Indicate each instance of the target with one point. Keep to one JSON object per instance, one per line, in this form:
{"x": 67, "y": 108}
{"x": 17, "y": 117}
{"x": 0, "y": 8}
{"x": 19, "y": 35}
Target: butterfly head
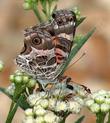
{"x": 64, "y": 21}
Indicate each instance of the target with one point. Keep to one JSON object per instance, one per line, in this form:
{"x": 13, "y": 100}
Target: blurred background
{"x": 93, "y": 70}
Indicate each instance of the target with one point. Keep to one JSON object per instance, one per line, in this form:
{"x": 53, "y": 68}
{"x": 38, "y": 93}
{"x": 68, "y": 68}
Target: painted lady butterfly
{"x": 47, "y": 46}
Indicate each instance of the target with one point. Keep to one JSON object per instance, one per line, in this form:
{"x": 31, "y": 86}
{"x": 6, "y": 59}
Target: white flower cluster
{"x": 99, "y": 101}
{"x": 52, "y": 106}
{"x": 39, "y": 115}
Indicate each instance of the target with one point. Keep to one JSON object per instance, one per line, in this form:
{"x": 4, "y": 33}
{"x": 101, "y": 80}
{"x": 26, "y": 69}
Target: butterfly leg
{"x": 64, "y": 79}
{"x": 71, "y": 84}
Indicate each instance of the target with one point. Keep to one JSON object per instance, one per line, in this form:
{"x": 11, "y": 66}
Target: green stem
{"x": 10, "y": 110}
{"x": 36, "y": 11}
{"x": 63, "y": 121}
{"x": 13, "y": 109}
{"x": 64, "y": 117}
{"x": 49, "y": 10}
{"x": 100, "y": 117}
{"x": 108, "y": 118}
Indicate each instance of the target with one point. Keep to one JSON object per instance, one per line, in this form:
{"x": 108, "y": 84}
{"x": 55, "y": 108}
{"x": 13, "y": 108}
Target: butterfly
{"x": 47, "y": 47}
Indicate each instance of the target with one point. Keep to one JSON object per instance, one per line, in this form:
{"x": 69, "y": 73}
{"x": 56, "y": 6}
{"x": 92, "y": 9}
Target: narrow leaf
{"x": 3, "y": 90}
{"x": 13, "y": 111}
{"x": 80, "y": 119}
{"x": 23, "y": 103}
{"x": 80, "y": 21}
{"x": 43, "y": 3}
{"x": 54, "y": 9}
{"x": 78, "y": 46}
{"x": 43, "y": 10}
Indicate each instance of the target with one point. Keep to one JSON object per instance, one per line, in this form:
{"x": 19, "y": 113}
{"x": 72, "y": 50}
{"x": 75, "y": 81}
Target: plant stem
{"x": 13, "y": 109}
{"x": 10, "y": 117}
{"x": 36, "y": 11}
{"x": 63, "y": 121}
{"x": 100, "y": 117}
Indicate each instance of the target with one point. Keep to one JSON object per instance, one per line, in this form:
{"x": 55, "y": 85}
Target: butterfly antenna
{"x": 76, "y": 60}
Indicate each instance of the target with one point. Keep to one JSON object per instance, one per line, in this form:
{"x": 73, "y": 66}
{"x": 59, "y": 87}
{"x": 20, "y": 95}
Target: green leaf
{"x": 37, "y": 13}
{"x": 77, "y": 47}
{"x": 80, "y": 119}
{"x": 54, "y": 9}
{"x": 23, "y": 103}
{"x": 14, "y": 109}
{"x": 44, "y": 11}
{"x": 43, "y": 2}
{"x": 3, "y": 90}
{"x": 80, "y": 21}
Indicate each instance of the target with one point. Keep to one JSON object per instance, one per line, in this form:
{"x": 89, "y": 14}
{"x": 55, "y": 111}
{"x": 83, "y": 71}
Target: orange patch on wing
{"x": 56, "y": 41}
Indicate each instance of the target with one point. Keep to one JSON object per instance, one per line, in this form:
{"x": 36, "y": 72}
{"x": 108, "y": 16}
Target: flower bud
{"x": 12, "y": 78}
{"x": 81, "y": 93}
{"x": 28, "y": 120}
{"x": 39, "y": 119}
{"x": 32, "y": 99}
{"x": 25, "y": 79}
{"x": 40, "y": 111}
{"x": 95, "y": 108}
{"x": 105, "y": 107}
{"x": 27, "y": 6}
{"x": 18, "y": 79}
{"x": 99, "y": 99}
{"x": 50, "y": 117}
{"x": 31, "y": 83}
{"x": 89, "y": 102}
{"x": 61, "y": 106}
{"x": 79, "y": 100}
{"x": 77, "y": 12}
{"x": 52, "y": 103}
{"x": 29, "y": 112}
{"x": 107, "y": 101}
{"x": 78, "y": 37}
{"x": 94, "y": 95}
{"x": 44, "y": 103}
{"x": 74, "y": 107}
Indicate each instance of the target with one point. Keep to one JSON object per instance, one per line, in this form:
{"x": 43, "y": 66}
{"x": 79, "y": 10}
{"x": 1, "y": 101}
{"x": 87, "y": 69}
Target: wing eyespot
{"x": 36, "y": 41}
